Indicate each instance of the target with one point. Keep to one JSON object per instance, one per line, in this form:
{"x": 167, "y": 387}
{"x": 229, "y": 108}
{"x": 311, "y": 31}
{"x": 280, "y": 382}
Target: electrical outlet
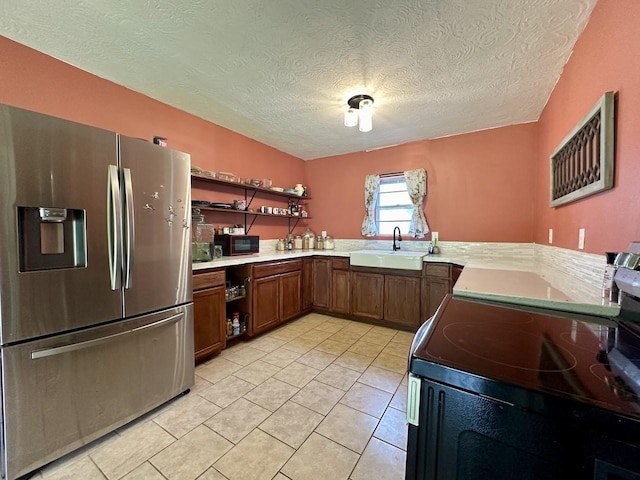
{"x": 551, "y": 235}
{"x": 434, "y": 236}
{"x": 581, "y": 239}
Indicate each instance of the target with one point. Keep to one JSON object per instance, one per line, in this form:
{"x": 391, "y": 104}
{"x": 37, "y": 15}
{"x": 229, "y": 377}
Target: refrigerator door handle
{"x": 72, "y": 347}
{"x": 130, "y": 225}
{"x": 114, "y": 226}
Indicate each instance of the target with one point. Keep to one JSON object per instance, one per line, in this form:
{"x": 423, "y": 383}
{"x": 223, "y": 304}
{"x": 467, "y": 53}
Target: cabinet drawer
{"x": 208, "y": 279}
{"x": 274, "y": 268}
{"x": 340, "y": 263}
{"x": 437, "y": 270}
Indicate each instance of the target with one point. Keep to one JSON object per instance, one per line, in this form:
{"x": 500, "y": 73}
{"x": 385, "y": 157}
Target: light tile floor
{"x": 319, "y": 398}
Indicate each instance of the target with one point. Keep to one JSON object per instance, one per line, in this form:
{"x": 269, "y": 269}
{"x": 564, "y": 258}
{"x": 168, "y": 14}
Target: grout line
{"x": 343, "y": 446}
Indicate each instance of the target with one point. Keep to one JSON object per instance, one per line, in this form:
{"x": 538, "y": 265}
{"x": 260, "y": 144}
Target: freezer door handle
{"x": 72, "y": 347}
{"x": 114, "y": 226}
{"x": 130, "y": 225}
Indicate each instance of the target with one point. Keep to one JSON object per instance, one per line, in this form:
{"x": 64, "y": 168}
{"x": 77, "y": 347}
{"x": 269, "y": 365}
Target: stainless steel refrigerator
{"x": 95, "y": 284}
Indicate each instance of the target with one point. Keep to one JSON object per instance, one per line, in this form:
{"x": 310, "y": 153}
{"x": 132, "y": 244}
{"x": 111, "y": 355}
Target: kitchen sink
{"x": 402, "y": 259}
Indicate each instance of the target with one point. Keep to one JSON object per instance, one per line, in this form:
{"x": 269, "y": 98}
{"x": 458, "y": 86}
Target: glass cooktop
{"x": 590, "y": 359}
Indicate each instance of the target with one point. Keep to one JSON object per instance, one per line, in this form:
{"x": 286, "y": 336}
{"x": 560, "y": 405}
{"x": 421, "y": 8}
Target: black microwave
{"x": 238, "y": 244}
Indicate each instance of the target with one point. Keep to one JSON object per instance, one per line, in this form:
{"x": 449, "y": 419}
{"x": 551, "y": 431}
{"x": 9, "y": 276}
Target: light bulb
{"x": 350, "y": 117}
{"x": 365, "y": 115}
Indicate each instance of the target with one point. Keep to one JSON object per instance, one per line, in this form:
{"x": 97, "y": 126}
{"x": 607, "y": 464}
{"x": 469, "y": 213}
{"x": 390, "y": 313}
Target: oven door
{"x": 467, "y": 436}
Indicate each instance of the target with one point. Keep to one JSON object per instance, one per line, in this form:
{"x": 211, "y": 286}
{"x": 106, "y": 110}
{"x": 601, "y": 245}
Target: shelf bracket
{"x": 248, "y": 202}
{"x": 294, "y": 225}
{"x": 248, "y": 227}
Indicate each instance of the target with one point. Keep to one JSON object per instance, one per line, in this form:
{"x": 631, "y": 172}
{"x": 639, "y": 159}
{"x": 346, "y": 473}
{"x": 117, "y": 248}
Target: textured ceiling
{"x": 280, "y": 71}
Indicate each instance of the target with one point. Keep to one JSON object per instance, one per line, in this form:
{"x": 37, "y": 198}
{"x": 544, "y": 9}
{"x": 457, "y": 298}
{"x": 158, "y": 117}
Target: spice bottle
{"x": 229, "y": 327}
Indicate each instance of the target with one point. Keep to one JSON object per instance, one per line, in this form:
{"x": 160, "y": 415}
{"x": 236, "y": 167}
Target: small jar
{"x": 319, "y": 243}
{"x": 311, "y": 236}
{"x": 280, "y": 245}
{"x": 297, "y": 243}
{"x": 329, "y": 244}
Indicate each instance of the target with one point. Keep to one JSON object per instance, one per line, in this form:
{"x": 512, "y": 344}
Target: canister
{"x": 202, "y": 235}
{"x": 329, "y": 244}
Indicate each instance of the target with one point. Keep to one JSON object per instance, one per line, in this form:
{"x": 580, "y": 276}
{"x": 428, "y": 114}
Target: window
{"x": 394, "y": 205}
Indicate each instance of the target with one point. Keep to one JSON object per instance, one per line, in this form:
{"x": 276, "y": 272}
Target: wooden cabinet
{"x": 402, "y": 300}
{"x": 435, "y": 285}
{"x": 322, "y": 283}
{"x": 266, "y": 299}
{"x": 276, "y": 294}
{"x": 307, "y": 284}
{"x": 289, "y": 295}
{"x": 437, "y": 289}
{"x": 340, "y": 291}
{"x": 209, "y": 324}
{"x": 367, "y": 294}
{"x": 456, "y": 270}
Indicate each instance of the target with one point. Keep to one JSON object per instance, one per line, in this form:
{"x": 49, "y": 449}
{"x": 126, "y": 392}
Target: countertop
{"x": 513, "y": 280}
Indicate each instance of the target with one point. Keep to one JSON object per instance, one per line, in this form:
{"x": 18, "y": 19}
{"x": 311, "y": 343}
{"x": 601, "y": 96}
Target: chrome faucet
{"x": 396, "y": 247}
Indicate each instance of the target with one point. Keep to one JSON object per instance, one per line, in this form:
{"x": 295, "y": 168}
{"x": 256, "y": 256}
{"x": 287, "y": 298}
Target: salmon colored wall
{"x": 479, "y": 185}
{"x": 605, "y": 58}
{"x": 484, "y": 186}
{"x": 34, "y": 81}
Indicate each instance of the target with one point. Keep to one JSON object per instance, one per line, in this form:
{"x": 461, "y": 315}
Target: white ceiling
{"x": 280, "y": 71}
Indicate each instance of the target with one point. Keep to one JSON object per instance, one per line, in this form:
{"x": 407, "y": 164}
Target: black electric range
{"x": 499, "y": 392}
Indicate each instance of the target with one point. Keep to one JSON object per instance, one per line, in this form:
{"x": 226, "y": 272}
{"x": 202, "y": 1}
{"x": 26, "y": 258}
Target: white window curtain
{"x": 417, "y": 188}
{"x": 371, "y": 189}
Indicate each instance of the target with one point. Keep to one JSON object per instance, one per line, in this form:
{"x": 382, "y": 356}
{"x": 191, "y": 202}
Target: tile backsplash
{"x": 586, "y": 267}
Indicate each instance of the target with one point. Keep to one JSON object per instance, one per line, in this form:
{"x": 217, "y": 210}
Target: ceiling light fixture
{"x": 359, "y": 112}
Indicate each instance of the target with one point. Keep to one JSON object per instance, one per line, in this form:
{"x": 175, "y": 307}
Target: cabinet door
{"x": 367, "y": 294}
{"x": 437, "y": 288}
{"x": 402, "y": 300}
{"x": 307, "y": 284}
{"x": 340, "y": 292}
{"x": 322, "y": 283}
{"x": 266, "y": 299}
{"x": 290, "y": 289}
{"x": 209, "y": 335}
